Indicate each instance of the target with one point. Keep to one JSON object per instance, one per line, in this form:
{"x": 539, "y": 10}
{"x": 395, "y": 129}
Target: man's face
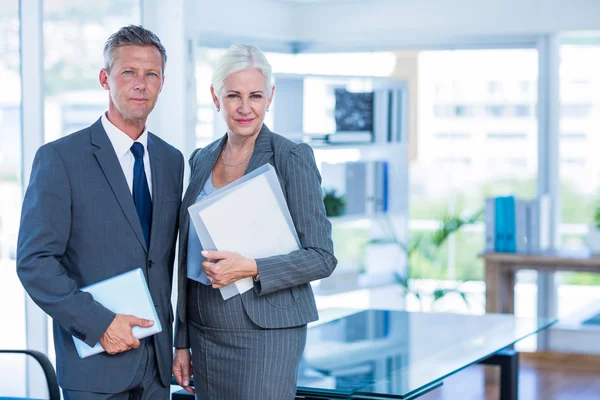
{"x": 135, "y": 80}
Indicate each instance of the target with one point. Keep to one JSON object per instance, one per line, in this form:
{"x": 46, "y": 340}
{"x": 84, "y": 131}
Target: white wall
{"x": 387, "y": 24}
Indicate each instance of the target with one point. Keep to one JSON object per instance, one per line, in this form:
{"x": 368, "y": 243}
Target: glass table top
{"x": 398, "y": 354}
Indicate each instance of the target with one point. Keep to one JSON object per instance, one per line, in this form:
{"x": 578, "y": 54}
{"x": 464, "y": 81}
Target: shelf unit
{"x": 379, "y": 261}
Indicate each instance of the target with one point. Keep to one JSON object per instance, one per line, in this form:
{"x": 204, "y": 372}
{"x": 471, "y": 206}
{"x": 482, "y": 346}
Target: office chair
{"x": 47, "y": 367}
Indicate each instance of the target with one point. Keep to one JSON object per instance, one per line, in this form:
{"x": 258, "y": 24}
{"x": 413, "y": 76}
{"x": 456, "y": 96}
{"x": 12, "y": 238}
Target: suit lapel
{"x": 154, "y": 155}
{"x": 208, "y": 157}
{"x": 111, "y": 167}
{"x": 263, "y": 150}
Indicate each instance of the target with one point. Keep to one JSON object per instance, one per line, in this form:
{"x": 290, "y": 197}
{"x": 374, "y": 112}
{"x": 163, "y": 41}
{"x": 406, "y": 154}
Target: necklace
{"x": 237, "y": 163}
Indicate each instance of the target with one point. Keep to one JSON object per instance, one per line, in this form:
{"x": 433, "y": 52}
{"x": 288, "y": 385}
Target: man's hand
{"x": 118, "y": 337}
{"x": 182, "y": 368}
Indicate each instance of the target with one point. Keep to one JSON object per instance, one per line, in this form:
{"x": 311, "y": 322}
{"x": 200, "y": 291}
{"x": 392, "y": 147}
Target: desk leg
{"x": 492, "y": 287}
{"x": 499, "y": 289}
{"x": 507, "y": 282}
{"x": 508, "y": 361}
{"x": 499, "y": 298}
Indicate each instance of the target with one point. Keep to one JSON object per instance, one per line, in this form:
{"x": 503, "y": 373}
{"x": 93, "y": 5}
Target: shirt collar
{"x": 119, "y": 139}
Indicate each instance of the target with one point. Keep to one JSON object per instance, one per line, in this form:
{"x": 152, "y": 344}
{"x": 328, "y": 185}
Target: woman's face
{"x": 244, "y": 101}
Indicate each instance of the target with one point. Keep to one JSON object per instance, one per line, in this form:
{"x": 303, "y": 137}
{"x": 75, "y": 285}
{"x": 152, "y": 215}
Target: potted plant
{"x": 424, "y": 249}
{"x": 334, "y": 204}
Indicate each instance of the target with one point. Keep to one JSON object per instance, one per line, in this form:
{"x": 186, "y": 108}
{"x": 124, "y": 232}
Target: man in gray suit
{"x": 100, "y": 202}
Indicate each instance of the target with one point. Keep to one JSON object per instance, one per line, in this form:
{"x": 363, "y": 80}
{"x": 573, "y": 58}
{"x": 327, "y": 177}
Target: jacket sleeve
{"x": 42, "y": 242}
{"x": 315, "y": 259}
{"x": 181, "y": 336}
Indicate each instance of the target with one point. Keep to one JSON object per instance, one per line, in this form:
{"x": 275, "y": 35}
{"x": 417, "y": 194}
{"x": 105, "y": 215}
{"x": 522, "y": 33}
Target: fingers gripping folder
{"x": 126, "y": 293}
{"x": 249, "y": 216}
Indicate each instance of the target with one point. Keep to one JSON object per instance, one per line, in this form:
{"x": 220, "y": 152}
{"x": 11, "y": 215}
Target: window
{"x": 525, "y": 86}
{"x": 74, "y": 37}
{"x": 451, "y": 135}
{"x": 573, "y": 136}
{"x": 460, "y": 111}
{"x": 454, "y": 160}
{"x": 506, "y": 136}
{"x": 579, "y": 168}
{"x": 522, "y": 110}
{"x": 443, "y": 111}
{"x": 12, "y": 295}
{"x": 495, "y": 87}
{"x": 573, "y": 161}
{"x": 495, "y": 111}
{"x": 575, "y": 110}
{"x": 206, "y": 121}
{"x": 452, "y": 177}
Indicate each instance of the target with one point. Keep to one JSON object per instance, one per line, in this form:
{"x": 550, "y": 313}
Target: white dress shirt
{"x": 122, "y": 145}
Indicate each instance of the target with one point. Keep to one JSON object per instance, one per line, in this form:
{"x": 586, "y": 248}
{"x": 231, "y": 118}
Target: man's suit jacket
{"x": 283, "y": 298}
{"x": 78, "y": 226}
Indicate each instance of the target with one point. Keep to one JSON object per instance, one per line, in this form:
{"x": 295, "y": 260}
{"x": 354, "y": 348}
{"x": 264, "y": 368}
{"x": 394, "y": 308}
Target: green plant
{"x": 423, "y": 248}
{"x": 334, "y": 204}
{"x": 597, "y": 217}
{"x": 437, "y": 294}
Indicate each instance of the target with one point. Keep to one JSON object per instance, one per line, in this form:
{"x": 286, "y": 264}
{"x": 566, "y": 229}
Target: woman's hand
{"x": 182, "y": 368}
{"x": 223, "y": 267}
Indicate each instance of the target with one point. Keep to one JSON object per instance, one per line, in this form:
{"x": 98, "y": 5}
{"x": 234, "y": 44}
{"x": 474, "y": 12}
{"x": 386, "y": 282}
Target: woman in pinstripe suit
{"x": 249, "y": 346}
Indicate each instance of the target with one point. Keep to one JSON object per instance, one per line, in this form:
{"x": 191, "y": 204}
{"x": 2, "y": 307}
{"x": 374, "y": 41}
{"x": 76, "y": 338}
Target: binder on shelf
{"x": 510, "y": 245}
{"x": 250, "y": 217}
{"x": 521, "y": 208}
{"x": 539, "y": 220}
{"x": 490, "y": 225}
{"x": 500, "y": 218}
{"x": 126, "y": 293}
{"x": 517, "y": 225}
{"x": 364, "y": 185}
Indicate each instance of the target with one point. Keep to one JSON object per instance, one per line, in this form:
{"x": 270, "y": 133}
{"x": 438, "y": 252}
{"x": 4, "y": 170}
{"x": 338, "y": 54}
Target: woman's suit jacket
{"x": 283, "y": 298}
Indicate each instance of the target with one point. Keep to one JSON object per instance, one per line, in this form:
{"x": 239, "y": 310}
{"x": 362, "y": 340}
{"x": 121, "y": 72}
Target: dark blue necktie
{"x": 141, "y": 193}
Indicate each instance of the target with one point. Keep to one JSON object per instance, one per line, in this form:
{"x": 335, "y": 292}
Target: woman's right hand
{"x": 182, "y": 368}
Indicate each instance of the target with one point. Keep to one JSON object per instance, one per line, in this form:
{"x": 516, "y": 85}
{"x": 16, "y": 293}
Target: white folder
{"x": 250, "y": 217}
{"x": 126, "y": 293}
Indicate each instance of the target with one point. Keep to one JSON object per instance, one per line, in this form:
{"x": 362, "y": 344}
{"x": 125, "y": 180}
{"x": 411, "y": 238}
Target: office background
{"x": 499, "y": 98}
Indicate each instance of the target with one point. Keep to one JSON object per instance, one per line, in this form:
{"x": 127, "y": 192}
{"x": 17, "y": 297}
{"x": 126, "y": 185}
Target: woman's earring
{"x": 218, "y": 109}
{"x": 267, "y": 110}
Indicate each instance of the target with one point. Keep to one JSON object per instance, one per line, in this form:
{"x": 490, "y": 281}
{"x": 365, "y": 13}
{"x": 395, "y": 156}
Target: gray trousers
{"x": 145, "y": 386}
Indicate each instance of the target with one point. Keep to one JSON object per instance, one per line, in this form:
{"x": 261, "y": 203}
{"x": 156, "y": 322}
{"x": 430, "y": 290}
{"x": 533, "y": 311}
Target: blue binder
{"x": 499, "y": 239}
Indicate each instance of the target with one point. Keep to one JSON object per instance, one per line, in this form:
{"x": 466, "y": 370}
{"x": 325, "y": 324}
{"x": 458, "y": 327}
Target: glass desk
{"x": 380, "y": 354}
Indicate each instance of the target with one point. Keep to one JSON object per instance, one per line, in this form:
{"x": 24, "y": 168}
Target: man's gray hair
{"x": 132, "y": 35}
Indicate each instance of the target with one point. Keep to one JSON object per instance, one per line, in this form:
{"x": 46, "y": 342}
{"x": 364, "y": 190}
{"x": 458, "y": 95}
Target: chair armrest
{"x": 53, "y": 389}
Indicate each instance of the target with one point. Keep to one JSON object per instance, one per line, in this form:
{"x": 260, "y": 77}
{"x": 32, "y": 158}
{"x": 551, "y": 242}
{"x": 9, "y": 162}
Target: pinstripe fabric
{"x": 284, "y": 297}
{"x": 246, "y": 364}
{"x": 79, "y": 226}
{"x": 249, "y": 346}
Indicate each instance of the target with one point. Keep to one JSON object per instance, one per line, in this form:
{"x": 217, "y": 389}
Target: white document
{"x": 126, "y": 293}
{"x": 249, "y": 217}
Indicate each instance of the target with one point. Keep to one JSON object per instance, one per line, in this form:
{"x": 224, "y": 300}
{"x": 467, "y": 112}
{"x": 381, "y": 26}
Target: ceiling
{"x": 371, "y": 25}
